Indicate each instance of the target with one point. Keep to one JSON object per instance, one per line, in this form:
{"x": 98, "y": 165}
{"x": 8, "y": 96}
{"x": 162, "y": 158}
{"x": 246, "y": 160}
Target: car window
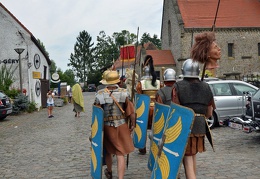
{"x": 2, "y": 95}
{"x": 240, "y": 88}
{"x": 221, "y": 89}
{"x": 257, "y": 95}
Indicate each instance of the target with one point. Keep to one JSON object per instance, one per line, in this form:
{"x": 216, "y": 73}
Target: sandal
{"x": 108, "y": 174}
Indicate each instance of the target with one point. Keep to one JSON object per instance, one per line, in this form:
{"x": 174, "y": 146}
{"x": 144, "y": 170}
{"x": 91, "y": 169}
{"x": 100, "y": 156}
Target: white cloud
{"x": 57, "y": 23}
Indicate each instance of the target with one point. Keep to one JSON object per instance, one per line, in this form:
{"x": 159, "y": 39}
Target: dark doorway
{"x": 45, "y": 84}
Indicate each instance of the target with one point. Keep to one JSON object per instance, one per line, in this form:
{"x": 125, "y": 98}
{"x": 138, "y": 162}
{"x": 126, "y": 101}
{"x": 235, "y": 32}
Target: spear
{"x": 213, "y": 29}
{"x": 133, "y": 84}
{"x": 133, "y": 77}
{"x": 208, "y": 134}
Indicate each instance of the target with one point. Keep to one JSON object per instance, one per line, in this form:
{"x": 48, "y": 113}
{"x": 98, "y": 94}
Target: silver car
{"x": 229, "y": 99}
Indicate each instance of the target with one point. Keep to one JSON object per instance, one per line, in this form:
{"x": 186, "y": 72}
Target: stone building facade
{"x": 237, "y": 36}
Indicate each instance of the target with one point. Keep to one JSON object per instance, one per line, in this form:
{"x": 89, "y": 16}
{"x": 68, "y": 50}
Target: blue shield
{"x": 161, "y": 112}
{"x": 142, "y": 104}
{"x": 176, "y": 132}
{"x": 97, "y": 142}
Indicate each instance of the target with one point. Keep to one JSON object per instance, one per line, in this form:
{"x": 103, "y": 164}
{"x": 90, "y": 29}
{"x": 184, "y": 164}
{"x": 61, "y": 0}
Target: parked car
{"x": 229, "y": 99}
{"x": 5, "y": 106}
{"x": 91, "y": 87}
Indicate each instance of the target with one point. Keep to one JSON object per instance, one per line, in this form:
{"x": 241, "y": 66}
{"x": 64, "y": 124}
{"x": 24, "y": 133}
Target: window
{"x": 221, "y": 89}
{"x": 170, "y": 33}
{"x": 241, "y": 89}
{"x": 230, "y": 49}
{"x": 258, "y": 49}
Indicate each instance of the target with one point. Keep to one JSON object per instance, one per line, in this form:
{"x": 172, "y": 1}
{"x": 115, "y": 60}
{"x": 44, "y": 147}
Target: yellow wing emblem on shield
{"x": 172, "y": 134}
{"x": 140, "y": 110}
{"x": 94, "y": 128}
{"x": 139, "y": 113}
{"x": 93, "y": 134}
{"x": 164, "y": 166}
{"x": 158, "y": 125}
{"x": 138, "y": 132}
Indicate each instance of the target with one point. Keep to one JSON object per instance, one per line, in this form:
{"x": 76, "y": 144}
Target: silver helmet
{"x": 190, "y": 69}
{"x": 169, "y": 75}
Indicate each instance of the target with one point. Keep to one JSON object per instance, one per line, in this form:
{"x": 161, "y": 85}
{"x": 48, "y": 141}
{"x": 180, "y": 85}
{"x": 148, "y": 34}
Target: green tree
{"x": 53, "y": 67}
{"x": 147, "y": 38}
{"x": 6, "y": 77}
{"x": 124, "y": 37}
{"x": 43, "y": 47}
{"x": 106, "y": 51}
{"x": 68, "y": 76}
{"x": 83, "y": 59}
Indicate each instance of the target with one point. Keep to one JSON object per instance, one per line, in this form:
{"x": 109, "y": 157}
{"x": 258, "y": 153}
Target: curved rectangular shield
{"x": 97, "y": 142}
{"x": 161, "y": 112}
{"x": 173, "y": 143}
{"x": 142, "y": 103}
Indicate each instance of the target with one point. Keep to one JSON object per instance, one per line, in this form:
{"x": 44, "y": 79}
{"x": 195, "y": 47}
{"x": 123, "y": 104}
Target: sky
{"x": 57, "y": 23}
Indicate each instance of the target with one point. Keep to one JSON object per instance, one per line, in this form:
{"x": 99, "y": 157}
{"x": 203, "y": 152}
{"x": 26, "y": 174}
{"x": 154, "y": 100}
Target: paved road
{"x": 34, "y": 146}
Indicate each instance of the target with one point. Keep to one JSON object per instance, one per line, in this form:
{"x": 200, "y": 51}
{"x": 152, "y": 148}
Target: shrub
{"x": 6, "y": 77}
{"x": 20, "y": 103}
{"x": 31, "y": 107}
{"x": 12, "y": 93}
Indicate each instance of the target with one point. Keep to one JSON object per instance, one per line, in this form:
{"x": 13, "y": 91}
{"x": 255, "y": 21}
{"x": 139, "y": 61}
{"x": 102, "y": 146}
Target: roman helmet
{"x": 104, "y": 76}
{"x": 169, "y": 75}
{"x": 112, "y": 77}
{"x": 190, "y": 69}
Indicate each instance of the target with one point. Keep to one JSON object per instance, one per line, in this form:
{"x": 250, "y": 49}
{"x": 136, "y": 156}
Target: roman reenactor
{"x": 148, "y": 85}
{"x": 117, "y": 136}
{"x": 164, "y": 94}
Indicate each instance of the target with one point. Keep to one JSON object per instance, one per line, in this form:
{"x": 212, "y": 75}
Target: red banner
{"x": 127, "y": 53}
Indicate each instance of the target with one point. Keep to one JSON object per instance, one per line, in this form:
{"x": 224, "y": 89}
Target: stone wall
{"x": 246, "y": 59}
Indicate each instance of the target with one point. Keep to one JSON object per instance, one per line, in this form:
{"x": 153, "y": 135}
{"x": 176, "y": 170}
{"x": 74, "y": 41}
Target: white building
{"x": 35, "y": 64}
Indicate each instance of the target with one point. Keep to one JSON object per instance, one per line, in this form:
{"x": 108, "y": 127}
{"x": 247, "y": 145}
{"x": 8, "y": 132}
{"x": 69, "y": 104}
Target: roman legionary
{"x": 164, "y": 95}
{"x": 193, "y": 93}
{"x": 117, "y": 135}
{"x": 148, "y": 85}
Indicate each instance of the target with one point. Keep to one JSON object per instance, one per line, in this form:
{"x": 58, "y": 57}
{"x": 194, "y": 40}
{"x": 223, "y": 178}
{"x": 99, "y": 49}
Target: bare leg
{"x": 109, "y": 162}
{"x": 194, "y": 163}
{"x": 189, "y": 167}
{"x": 51, "y": 107}
{"x": 49, "y": 110}
{"x": 120, "y": 166}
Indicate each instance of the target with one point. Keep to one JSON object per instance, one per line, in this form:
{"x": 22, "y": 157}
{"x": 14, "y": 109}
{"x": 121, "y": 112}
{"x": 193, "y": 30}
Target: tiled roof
{"x": 161, "y": 57}
{"x": 231, "y": 13}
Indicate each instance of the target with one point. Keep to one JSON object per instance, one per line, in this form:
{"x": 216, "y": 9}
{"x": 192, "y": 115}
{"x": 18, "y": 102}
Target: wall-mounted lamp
{"x": 19, "y": 51}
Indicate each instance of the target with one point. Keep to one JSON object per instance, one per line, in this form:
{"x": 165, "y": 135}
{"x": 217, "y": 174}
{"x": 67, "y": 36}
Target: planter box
{"x": 58, "y": 102}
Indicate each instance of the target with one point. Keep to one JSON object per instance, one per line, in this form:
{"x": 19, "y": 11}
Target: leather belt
{"x": 200, "y": 115}
{"x": 115, "y": 123}
{"x": 112, "y": 118}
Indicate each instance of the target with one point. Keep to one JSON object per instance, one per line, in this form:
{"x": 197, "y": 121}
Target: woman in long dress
{"x": 78, "y": 100}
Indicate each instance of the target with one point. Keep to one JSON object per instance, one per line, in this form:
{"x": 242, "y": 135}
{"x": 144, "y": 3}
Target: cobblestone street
{"x": 35, "y": 146}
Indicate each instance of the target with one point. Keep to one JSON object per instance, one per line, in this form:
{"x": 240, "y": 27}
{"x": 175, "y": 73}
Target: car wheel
{"x": 2, "y": 118}
{"x": 213, "y": 121}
